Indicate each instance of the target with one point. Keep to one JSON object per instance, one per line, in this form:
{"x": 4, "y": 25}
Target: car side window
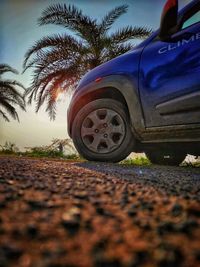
{"x": 192, "y": 20}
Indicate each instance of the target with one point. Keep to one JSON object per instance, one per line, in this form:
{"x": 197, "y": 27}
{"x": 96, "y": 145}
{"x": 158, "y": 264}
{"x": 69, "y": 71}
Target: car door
{"x": 169, "y": 77}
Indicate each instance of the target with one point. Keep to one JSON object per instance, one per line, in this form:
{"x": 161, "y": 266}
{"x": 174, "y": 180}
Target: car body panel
{"x": 151, "y": 96}
{"x": 170, "y": 81}
{"x": 122, "y": 65}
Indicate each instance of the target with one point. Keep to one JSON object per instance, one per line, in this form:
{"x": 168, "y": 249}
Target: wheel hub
{"x": 103, "y": 130}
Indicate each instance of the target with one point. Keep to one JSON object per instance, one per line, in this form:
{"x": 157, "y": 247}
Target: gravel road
{"x": 55, "y": 213}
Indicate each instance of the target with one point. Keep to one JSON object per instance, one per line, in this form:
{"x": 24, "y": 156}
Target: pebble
{"x": 32, "y": 230}
{"x": 81, "y": 195}
{"x": 103, "y": 262}
{"x": 169, "y": 256}
{"x": 11, "y": 251}
{"x": 37, "y": 205}
{"x": 132, "y": 212}
{"x": 71, "y": 220}
{"x": 176, "y": 210}
{"x": 187, "y": 226}
{"x": 165, "y": 227}
{"x": 194, "y": 210}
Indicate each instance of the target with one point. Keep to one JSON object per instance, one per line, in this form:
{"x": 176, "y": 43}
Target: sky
{"x": 19, "y": 31}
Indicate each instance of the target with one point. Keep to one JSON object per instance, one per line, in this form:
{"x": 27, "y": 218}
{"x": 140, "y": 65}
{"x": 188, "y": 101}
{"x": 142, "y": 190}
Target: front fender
{"x": 127, "y": 86}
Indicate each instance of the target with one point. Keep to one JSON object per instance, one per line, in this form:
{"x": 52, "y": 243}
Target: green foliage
{"x": 9, "y": 148}
{"x": 10, "y": 95}
{"x": 37, "y": 152}
{"x": 55, "y": 150}
{"x": 73, "y": 157}
{"x": 139, "y": 161}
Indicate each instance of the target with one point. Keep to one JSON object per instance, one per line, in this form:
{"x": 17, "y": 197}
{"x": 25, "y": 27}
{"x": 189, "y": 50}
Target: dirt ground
{"x": 55, "y": 213}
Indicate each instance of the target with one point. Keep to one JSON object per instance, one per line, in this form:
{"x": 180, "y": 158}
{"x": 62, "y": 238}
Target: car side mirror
{"x": 169, "y": 19}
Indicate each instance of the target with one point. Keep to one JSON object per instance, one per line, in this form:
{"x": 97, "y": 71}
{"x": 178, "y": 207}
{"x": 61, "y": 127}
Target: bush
{"x": 37, "y": 152}
{"x": 54, "y": 150}
{"x": 73, "y": 157}
{"x": 139, "y": 161}
{"x": 9, "y": 148}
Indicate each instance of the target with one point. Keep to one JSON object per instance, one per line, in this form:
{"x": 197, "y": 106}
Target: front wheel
{"x": 101, "y": 131}
{"x": 162, "y": 157}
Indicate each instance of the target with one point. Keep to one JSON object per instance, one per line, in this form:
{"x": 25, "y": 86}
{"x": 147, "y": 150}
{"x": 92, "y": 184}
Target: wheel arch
{"x": 118, "y": 87}
{"x": 104, "y": 92}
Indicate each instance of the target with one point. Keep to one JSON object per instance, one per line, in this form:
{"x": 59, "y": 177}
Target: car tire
{"x": 170, "y": 158}
{"x": 101, "y": 131}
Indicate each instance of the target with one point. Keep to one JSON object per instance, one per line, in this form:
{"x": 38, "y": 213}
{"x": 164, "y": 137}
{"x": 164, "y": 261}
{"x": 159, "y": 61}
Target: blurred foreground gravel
{"x": 55, "y": 213}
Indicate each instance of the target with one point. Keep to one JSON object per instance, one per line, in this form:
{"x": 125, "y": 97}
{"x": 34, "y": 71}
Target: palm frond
{"x": 48, "y": 68}
{"x": 117, "y": 50}
{"x": 9, "y": 108}
{"x": 128, "y": 33}
{"x": 51, "y": 103}
{"x": 10, "y": 96}
{"x": 60, "y": 14}
{"x": 46, "y": 80}
{"x": 41, "y": 96}
{"x": 64, "y": 41}
{"x": 12, "y": 83}
{"x": 3, "y": 114}
{"x": 13, "y": 101}
{"x": 111, "y": 17}
{"x": 70, "y": 17}
{"x": 6, "y": 68}
{"x": 48, "y": 58}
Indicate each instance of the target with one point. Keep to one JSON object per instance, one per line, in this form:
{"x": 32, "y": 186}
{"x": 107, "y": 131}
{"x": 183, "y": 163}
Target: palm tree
{"x": 59, "y": 61}
{"x": 10, "y": 95}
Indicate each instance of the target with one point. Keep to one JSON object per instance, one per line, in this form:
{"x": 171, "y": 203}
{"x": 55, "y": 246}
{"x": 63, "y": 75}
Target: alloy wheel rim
{"x": 103, "y": 131}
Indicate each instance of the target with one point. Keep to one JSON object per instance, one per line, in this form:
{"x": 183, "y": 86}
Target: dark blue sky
{"x": 19, "y": 30}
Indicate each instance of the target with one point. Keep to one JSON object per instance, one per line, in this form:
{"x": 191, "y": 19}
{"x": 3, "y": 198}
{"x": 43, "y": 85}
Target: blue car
{"x": 146, "y": 100}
